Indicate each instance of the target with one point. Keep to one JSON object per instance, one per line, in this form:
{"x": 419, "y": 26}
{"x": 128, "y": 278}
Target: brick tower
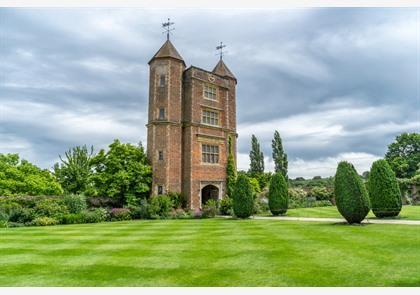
{"x": 192, "y": 113}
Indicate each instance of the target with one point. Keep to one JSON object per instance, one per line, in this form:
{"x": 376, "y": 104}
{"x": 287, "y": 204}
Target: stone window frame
{"x": 162, "y": 80}
{"x": 211, "y": 115}
{"x": 210, "y": 153}
{"x": 160, "y": 155}
{"x": 161, "y": 113}
{"x": 210, "y": 92}
{"x": 160, "y": 190}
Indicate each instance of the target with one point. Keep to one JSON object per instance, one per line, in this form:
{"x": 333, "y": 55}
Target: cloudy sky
{"x": 337, "y": 83}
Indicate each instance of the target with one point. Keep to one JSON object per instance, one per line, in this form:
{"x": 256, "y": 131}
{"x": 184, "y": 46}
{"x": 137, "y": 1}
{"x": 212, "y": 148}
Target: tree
{"x": 384, "y": 192}
{"x": 75, "y": 171}
{"x": 256, "y": 157}
{"x": 122, "y": 172}
{"x": 243, "y": 199}
{"x": 19, "y": 177}
{"x": 278, "y": 197}
{"x": 350, "y": 193}
{"x": 279, "y": 156}
{"x": 403, "y": 154}
{"x": 230, "y": 170}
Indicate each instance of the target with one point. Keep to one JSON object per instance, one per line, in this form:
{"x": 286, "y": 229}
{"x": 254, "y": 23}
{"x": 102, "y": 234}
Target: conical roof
{"x": 222, "y": 70}
{"x": 167, "y": 50}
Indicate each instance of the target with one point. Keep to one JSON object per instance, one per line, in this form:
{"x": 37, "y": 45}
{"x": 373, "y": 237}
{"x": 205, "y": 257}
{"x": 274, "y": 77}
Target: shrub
{"x": 225, "y": 206}
{"x": 210, "y": 209}
{"x": 243, "y": 200}
{"x": 118, "y": 214}
{"x": 4, "y": 223}
{"x": 51, "y": 207}
{"x": 4, "y": 219}
{"x": 350, "y": 193}
{"x": 160, "y": 206}
{"x": 261, "y": 205}
{"x": 321, "y": 193}
{"x": 179, "y": 214}
{"x": 101, "y": 214}
{"x": 102, "y": 202}
{"x": 22, "y": 215}
{"x": 178, "y": 200}
{"x": 384, "y": 192}
{"x": 45, "y": 221}
{"x": 71, "y": 218}
{"x": 278, "y": 198}
{"x": 75, "y": 203}
{"x": 255, "y": 185}
{"x": 297, "y": 198}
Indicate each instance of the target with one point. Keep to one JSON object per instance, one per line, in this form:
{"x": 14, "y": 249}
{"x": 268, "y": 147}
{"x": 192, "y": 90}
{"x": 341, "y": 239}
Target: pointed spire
{"x": 222, "y": 70}
{"x": 167, "y": 50}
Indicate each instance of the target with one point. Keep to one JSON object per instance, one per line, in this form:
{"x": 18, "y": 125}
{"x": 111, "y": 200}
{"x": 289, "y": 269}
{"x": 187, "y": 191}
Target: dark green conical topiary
{"x": 243, "y": 200}
{"x": 384, "y": 192}
{"x": 278, "y": 197}
{"x": 350, "y": 193}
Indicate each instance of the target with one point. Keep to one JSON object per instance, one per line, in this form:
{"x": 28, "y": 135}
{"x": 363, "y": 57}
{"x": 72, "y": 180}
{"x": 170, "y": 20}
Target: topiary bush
{"x": 351, "y": 195}
{"x": 278, "y": 197}
{"x": 384, "y": 192}
{"x": 243, "y": 199}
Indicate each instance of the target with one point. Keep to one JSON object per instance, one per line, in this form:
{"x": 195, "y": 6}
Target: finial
{"x": 167, "y": 27}
{"x": 220, "y": 48}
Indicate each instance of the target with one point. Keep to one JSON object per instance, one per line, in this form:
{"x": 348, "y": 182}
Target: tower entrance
{"x": 209, "y": 192}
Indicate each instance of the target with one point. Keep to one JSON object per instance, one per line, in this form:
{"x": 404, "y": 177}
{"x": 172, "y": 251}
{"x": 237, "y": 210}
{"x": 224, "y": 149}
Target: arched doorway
{"x": 209, "y": 192}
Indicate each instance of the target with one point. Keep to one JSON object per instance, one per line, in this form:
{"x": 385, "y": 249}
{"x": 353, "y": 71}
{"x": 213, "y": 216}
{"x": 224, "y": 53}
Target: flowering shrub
{"x": 44, "y": 221}
{"x": 197, "y": 213}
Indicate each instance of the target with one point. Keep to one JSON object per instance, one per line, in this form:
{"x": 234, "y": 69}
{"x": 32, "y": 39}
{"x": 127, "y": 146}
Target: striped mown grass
{"x": 211, "y": 252}
{"x": 407, "y": 212}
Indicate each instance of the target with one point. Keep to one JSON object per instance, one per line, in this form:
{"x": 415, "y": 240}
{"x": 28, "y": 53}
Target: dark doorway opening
{"x": 209, "y": 192}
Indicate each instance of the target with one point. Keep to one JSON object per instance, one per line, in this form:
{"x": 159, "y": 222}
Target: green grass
{"x": 211, "y": 252}
{"x": 407, "y": 212}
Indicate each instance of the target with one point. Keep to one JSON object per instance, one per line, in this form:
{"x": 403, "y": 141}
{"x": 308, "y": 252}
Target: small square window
{"x": 160, "y": 155}
{"x": 162, "y": 80}
{"x": 162, "y": 113}
{"x": 160, "y": 190}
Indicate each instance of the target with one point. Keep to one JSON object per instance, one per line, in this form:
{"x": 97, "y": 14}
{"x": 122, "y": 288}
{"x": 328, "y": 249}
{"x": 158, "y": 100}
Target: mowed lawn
{"x": 211, "y": 252}
{"x": 407, "y": 212}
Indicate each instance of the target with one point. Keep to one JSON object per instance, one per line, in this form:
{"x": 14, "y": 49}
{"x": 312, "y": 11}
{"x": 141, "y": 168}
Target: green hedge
{"x": 350, "y": 193}
{"x": 243, "y": 199}
{"x": 384, "y": 192}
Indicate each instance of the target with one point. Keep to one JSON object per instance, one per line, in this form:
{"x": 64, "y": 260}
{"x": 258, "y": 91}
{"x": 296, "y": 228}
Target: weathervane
{"x": 167, "y": 27}
{"x": 220, "y": 48}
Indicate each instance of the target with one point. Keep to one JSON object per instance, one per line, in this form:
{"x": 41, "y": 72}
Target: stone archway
{"x": 209, "y": 192}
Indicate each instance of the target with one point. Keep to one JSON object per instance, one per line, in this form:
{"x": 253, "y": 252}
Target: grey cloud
{"x": 288, "y": 62}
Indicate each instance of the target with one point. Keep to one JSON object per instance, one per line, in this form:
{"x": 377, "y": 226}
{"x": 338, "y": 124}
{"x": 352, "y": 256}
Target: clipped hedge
{"x": 278, "y": 198}
{"x": 384, "y": 191}
{"x": 243, "y": 197}
{"x": 350, "y": 193}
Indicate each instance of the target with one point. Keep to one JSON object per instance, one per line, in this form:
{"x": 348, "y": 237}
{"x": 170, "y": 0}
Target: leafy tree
{"x": 243, "y": 200}
{"x": 75, "y": 171}
{"x": 256, "y": 157}
{"x": 279, "y": 156}
{"x": 230, "y": 170}
{"x": 255, "y": 185}
{"x": 384, "y": 192}
{"x": 122, "y": 172}
{"x": 321, "y": 193}
{"x": 19, "y": 177}
{"x": 350, "y": 193}
{"x": 403, "y": 154}
{"x": 278, "y": 197}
